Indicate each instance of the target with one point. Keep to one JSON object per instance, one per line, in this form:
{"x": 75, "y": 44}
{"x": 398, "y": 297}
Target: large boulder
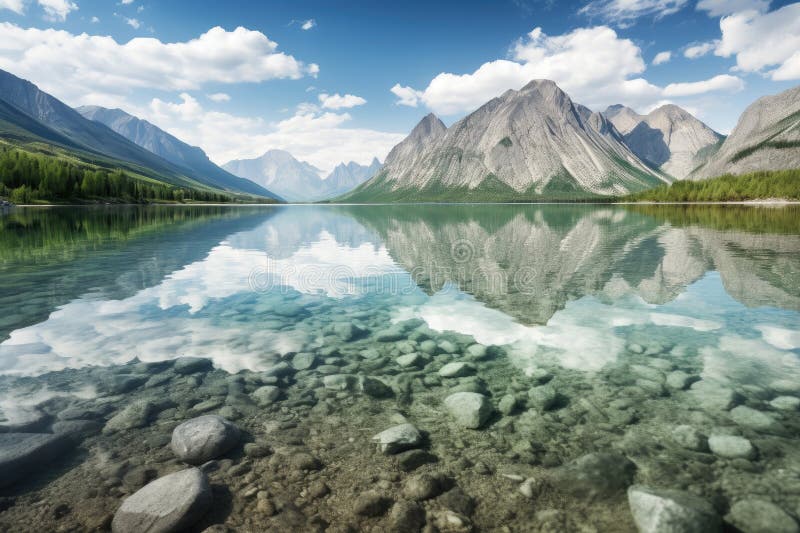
{"x": 203, "y": 438}
{"x": 170, "y": 503}
{"x": 22, "y": 453}
{"x": 760, "y": 516}
{"x": 671, "y": 511}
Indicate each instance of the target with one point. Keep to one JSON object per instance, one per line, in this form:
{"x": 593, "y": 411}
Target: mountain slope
{"x": 162, "y": 144}
{"x": 280, "y": 172}
{"x": 531, "y": 144}
{"x": 767, "y": 137}
{"x": 668, "y": 138}
{"x": 346, "y": 177}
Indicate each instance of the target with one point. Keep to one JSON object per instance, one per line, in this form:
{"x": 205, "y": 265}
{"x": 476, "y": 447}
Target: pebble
{"x": 448, "y": 347}
{"x": 671, "y": 511}
{"x": 406, "y": 517}
{"x": 428, "y": 346}
{"x": 476, "y": 352}
{"x": 372, "y": 503}
{"x": 398, "y": 438}
{"x": 266, "y": 395}
{"x": 426, "y": 486}
{"x": 786, "y": 403}
{"x": 203, "y": 438}
{"x": 456, "y": 370}
{"x": 304, "y": 361}
{"x": 760, "y": 516}
{"x": 543, "y": 397}
{"x": 172, "y": 503}
{"x": 731, "y": 446}
{"x": 507, "y": 404}
{"x": 469, "y": 409}
{"x": 413, "y": 459}
{"x": 411, "y": 359}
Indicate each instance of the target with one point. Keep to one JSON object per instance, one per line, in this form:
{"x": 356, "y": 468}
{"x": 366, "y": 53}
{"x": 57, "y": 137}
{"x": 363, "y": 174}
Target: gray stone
{"x": 760, "y": 516}
{"x": 456, "y": 370}
{"x": 785, "y": 386}
{"x": 426, "y": 486}
{"x": 543, "y": 397}
{"x": 731, "y": 447}
{"x": 77, "y": 429}
{"x": 679, "y": 380}
{"x": 647, "y": 372}
{"x": 476, "y": 352}
{"x": 391, "y": 334}
{"x": 413, "y": 459}
{"x": 406, "y": 517}
{"x": 469, "y": 409}
{"x": 374, "y": 387}
{"x": 192, "y": 365}
{"x": 372, "y": 503}
{"x": 172, "y": 503}
{"x": 713, "y": 396}
{"x": 596, "y": 475}
{"x": 339, "y": 382}
{"x": 411, "y": 359}
{"x": 398, "y": 438}
{"x": 266, "y": 395}
{"x": 671, "y": 511}
{"x": 84, "y": 412}
{"x": 507, "y": 404}
{"x": 203, "y": 438}
{"x": 786, "y": 403}
{"x": 448, "y": 347}
{"x": 304, "y": 361}
{"x": 689, "y": 438}
{"x": 428, "y": 346}
{"x": 279, "y": 370}
{"x": 135, "y": 415}
{"x": 751, "y": 418}
{"x": 23, "y": 453}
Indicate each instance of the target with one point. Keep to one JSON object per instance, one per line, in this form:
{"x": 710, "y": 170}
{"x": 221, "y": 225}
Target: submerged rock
{"x": 192, "y": 365}
{"x": 469, "y": 409}
{"x": 398, "y": 438}
{"x": 22, "y": 453}
{"x": 304, "y": 361}
{"x": 135, "y": 415}
{"x": 406, "y": 517}
{"x": 671, "y": 511}
{"x": 426, "y": 486}
{"x": 203, "y": 438}
{"x": 372, "y": 503}
{"x": 456, "y": 370}
{"x": 731, "y": 447}
{"x": 266, "y": 395}
{"x": 21, "y": 419}
{"x": 786, "y": 403}
{"x": 340, "y": 382}
{"x": 374, "y": 387}
{"x": 760, "y": 516}
{"x": 689, "y": 438}
{"x": 596, "y": 475}
{"x": 543, "y": 397}
{"x": 171, "y": 503}
{"x": 751, "y": 418}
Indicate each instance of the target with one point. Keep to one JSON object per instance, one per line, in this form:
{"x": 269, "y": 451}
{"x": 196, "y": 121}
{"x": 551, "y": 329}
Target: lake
{"x": 550, "y": 356}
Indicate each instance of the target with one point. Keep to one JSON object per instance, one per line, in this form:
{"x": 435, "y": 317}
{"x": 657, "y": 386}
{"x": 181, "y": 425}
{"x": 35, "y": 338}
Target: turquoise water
{"x": 642, "y": 320}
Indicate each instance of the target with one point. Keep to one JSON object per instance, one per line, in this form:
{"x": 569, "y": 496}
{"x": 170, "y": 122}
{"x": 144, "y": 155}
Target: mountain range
{"x": 531, "y": 144}
{"x": 38, "y": 122}
{"x": 166, "y": 146}
{"x": 767, "y": 137}
{"x": 298, "y": 181}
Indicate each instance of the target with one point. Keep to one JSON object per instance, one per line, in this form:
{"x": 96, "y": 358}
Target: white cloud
{"x": 219, "y": 97}
{"x": 17, "y": 6}
{"x": 593, "y": 65}
{"x": 718, "y": 8}
{"x": 76, "y": 67}
{"x": 127, "y": 2}
{"x": 308, "y": 24}
{"x": 321, "y": 138}
{"x": 625, "y": 12}
{"x": 768, "y": 42}
{"x": 95, "y": 20}
{"x": 57, "y": 9}
{"x": 133, "y": 23}
{"x": 662, "y": 57}
{"x": 699, "y": 50}
{"x": 338, "y": 101}
{"x": 723, "y": 82}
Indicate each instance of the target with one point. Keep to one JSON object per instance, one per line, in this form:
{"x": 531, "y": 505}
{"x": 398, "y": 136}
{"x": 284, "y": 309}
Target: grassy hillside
{"x": 783, "y": 184}
{"x": 39, "y": 172}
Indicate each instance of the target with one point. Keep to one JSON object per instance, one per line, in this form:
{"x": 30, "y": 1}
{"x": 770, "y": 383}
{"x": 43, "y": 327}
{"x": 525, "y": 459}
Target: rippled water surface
{"x": 639, "y": 332}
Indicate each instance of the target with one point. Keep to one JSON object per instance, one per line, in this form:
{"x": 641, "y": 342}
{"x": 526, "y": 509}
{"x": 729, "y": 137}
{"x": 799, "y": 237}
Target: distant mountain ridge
{"x": 530, "y": 144}
{"x": 298, "y": 181}
{"x": 668, "y": 138}
{"x": 766, "y": 137}
{"x": 167, "y": 146}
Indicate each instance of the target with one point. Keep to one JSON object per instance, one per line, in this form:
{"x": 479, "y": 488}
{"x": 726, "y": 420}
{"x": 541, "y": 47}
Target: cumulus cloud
{"x": 700, "y": 49}
{"x": 764, "y": 42}
{"x": 594, "y": 65}
{"x": 718, "y": 8}
{"x": 625, "y": 12}
{"x": 338, "y": 101}
{"x": 308, "y": 24}
{"x": 57, "y": 9}
{"x": 17, "y": 6}
{"x": 662, "y": 57}
{"x": 321, "y": 138}
{"x": 219, "y": 97}
{"x": 133, "y": 23}
{"x": 75, "y": 67}
{"x": 723, "y": 82}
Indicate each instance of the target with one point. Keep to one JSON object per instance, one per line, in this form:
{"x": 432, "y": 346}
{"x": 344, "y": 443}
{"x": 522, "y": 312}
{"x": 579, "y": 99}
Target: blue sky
{"x": 341, "y": 80}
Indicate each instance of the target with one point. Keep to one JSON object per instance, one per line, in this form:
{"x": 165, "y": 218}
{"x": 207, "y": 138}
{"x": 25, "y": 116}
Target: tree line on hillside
{"x": 783, "y": 184}
{"x": 29, "y": 178}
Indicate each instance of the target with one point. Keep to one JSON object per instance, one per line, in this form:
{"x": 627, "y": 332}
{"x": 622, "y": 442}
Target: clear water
{"x": 607, "y": 301}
